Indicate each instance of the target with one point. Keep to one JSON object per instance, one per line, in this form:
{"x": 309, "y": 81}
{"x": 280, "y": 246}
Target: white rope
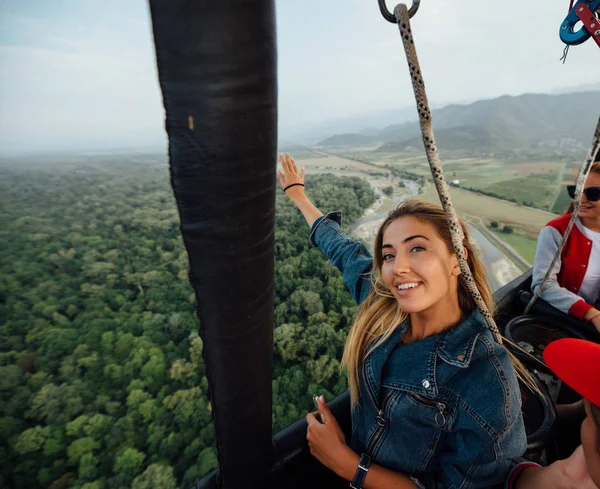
{"x": 403, "y": 20}
{"x": 583, "y": 174}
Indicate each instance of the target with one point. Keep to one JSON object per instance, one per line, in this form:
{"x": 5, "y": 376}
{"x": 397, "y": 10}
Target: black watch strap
{"x": 361, "y": 471}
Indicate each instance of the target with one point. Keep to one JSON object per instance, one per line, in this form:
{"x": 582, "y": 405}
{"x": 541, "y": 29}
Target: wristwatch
{"x": 361, "y": 471}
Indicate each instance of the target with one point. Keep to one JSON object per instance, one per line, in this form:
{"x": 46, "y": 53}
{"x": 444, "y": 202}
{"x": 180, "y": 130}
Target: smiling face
{"x": 417, "y": 267}
{"x": 590, "y": 209}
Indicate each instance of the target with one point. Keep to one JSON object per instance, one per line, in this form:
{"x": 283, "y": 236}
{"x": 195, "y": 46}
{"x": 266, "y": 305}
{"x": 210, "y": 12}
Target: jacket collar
{"x": 457, "y": 344}
{"x": 413, "y": 367}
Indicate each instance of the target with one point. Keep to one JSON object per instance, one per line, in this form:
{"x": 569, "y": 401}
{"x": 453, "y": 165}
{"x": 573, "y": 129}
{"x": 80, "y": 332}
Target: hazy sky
{"x": 81, "y": 73}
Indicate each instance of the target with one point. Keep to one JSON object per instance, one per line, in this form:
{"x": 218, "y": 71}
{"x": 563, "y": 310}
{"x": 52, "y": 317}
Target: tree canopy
{"x": 101, "y": 371}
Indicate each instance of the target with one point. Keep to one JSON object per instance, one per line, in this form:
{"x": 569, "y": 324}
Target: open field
{"x": 536, "y": 190}
{"x": 377, "y": 157}
{"x": 490, "y": 209}
{"x": 532, "y": 167}
{"x": 562, "y": 200}
{"x": 531, "y": 183}
{"x": 523, "y": 245}
{"x": 299, "y": 152}
{"x": 328, "y": 162}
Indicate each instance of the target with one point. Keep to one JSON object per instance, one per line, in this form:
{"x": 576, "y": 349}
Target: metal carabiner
{"x": 387, "y": 15}
{"x": 571, "y": 37}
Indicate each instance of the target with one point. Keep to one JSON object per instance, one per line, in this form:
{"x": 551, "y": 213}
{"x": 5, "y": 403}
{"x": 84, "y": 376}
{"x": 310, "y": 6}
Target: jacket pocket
{"x": 440, "y": 408}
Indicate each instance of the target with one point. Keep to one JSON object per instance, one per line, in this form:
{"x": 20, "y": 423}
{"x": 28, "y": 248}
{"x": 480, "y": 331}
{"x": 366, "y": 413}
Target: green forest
{"x": 102, "y": 383}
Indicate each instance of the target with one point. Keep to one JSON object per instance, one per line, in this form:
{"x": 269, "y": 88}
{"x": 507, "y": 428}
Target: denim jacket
{"x": 445, "y": 410}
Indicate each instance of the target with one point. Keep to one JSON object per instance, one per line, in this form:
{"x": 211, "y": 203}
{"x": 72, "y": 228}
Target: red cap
{"x": 577, "y": 364}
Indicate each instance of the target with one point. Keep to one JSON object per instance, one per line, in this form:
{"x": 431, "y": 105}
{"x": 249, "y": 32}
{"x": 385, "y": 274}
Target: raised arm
{"x": 351, "y": 258}
{"x": 292, "y": 183}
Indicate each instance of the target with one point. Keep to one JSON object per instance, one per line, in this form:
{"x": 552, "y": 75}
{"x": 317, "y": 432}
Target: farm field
{"x": 526, "y": 219}
{"x": 324, "y": 161}
{"x": 299, "y": 152}
{"x": 530, "y": 183}
{"x": 562, "y": 200}
{"x": 523, "y": 245}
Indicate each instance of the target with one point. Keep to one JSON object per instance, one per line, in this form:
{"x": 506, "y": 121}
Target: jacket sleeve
{"x": 348, "y": 256}
{"x": 566, "y": 301}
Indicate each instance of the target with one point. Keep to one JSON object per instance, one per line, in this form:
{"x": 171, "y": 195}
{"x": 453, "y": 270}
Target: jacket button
{"x": 589, "y": 242}
{"x": 460, "y": 357}
{"x": 583, "y": 265}
{"x": 425, "y": 383}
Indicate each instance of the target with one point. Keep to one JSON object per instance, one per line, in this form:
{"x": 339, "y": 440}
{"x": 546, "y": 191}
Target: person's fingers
{"x": 303, "y": 172}
{"x": 291, "y": 164}
{"x": 293, "y": 161}
{"x": 324, "y": 410}
{"x": 281, "y": 178}
{"x": 310, "y": 419}
{"x": 283, "y": 163}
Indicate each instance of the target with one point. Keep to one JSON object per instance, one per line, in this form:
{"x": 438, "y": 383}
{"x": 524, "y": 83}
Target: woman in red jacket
{"x": 574, "y": 282}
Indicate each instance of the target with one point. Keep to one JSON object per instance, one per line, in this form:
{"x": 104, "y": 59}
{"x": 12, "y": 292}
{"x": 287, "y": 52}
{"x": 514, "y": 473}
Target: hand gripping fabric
{"x": 217, "y": 71}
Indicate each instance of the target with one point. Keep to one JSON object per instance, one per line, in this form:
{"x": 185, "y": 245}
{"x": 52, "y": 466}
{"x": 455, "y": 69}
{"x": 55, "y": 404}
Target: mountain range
{"x": 507, "y": 123}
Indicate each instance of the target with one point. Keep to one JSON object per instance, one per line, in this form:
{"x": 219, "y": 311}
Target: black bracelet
{"x": 293, "y": 185}
{"x": 361, "y": 471}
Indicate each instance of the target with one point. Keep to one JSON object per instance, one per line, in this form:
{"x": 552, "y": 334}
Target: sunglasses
{"x": 591, "y": 193}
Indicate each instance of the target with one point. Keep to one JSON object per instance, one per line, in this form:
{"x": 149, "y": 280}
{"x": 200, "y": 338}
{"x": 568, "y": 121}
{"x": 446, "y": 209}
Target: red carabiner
{"x": 590, "y": 21}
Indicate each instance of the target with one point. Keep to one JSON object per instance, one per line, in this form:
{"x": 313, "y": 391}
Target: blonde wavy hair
{"x": 379, "y": 314}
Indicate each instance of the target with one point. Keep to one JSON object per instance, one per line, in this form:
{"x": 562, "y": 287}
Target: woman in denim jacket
{"x": 435, "y": 400}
